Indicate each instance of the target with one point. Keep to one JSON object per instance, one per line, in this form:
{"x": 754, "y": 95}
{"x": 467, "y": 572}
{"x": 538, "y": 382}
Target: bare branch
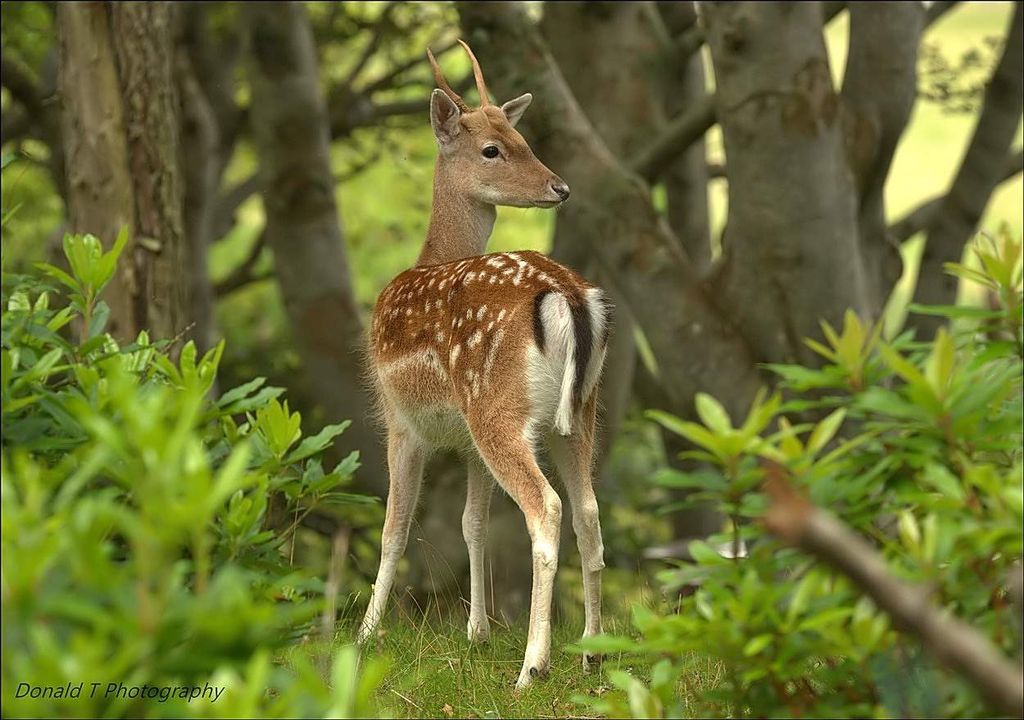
{"x": 229, "y": 202}
{"x": 387, "y": 80}
{"x": 921, "y": 217}
{"x": 794, "y": 519}
{"x": 244, "y": 273}
{"x": 957, "y": 218}
{"x": 348, "y": 111}
{"x": 677, "y": 136}
{"x": 380, "y": 29}
{"x": 716, "y": 170}
{"x": 830, "y": 9}
{"x": 936, "y": 10}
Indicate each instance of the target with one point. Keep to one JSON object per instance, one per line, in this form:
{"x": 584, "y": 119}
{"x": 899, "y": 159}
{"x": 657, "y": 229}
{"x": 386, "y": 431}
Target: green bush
{"x": 920, "y": 451}
{"x": 136, "y": 547}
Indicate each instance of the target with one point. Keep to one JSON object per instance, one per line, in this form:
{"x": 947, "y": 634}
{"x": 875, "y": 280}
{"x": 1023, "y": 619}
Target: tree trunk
{"x": 290, "y": 130}
{"x": 609, "y": 50}
{"x": 99, "y": 186}
{"x": 959, "y": 212}
{"x": 792, "y": 248}
{"x": 622, "y": 51}
{"x": 143, "y": 38}
{"x": 879, "y": 91}
{"x": 686, "y": 181}
{"x": 199, "y": 144}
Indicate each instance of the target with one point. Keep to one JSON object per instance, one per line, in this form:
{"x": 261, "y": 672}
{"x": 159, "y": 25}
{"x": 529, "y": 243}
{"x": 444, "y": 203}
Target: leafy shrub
{"x": 920, "y": 451}
{"x": 135, "y": 540}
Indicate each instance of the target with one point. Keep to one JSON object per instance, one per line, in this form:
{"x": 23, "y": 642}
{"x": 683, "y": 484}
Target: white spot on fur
{"x": 453, "y": 355}
{"x": 480, "y": 313}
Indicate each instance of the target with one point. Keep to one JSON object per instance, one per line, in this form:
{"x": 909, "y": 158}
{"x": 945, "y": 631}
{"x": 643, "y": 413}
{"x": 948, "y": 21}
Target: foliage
{"x": 136, "y": 540}
{"x": 919, "y": 449}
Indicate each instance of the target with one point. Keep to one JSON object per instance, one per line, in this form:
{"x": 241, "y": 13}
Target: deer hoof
{"x": 592, "y": 661}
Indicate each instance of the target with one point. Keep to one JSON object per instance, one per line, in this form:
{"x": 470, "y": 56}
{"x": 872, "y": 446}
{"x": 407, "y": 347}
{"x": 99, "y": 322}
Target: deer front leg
{"x": 474, "y": 530}
{"x": 406, "y": 456}
{"x": 511, "y": 460}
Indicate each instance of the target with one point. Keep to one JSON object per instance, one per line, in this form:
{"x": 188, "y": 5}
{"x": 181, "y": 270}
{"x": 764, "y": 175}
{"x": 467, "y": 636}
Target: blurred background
{"x": 729, "y": 190}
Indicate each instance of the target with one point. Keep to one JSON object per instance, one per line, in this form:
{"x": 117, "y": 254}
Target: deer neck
{"x": 459, "y": 225}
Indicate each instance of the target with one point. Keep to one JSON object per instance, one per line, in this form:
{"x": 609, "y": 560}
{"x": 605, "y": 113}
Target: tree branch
{"x": 244, "y": 273}
{"x": 385, "y": 81}
{"x": 796, "y": 521}
{"x": 229, "y": 202}
{"x": 380, "y": 29}
{"x": 22, "y": 86}
{"x": 921, "y": 217}
{"x": 960, "y": 212}
{"x": 677, "y": 136}
{"x": 936, "y": 10}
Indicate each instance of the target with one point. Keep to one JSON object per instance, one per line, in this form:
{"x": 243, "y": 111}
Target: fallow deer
{"x": 490, "y": 355}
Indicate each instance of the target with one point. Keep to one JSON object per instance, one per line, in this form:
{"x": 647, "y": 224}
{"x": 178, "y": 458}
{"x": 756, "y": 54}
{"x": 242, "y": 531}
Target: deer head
{"x": 482, "y": 155}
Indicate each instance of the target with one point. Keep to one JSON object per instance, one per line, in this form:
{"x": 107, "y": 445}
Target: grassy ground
{"x": 433, "y": 670}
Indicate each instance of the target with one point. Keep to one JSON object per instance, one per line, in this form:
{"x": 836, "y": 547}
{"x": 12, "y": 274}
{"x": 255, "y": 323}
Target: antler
{"x": 478, "y": 75}
{"x": 443, "y": 84}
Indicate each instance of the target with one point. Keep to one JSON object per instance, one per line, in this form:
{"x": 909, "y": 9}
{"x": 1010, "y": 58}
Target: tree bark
{"x": 199, "y": 145}
{"x": 143, "y": 39}
{"x": 289, "y": 126}
{"x": 792, "y": 250}
{"x": 99, "y": 186}
{"x": 879, "y": 91}
{"x": 961, "y": 209}
{"x": 686, "y": 180}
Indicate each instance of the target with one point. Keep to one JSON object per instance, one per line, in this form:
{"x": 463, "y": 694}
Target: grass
{"x": 434, "y": 671}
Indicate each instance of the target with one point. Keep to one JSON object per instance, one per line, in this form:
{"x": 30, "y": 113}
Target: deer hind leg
{"x": 474, "y": 530}
{"x": 505, "y": 447}
{"x": 573, "y": 456}
{"x": 406, "y": 456}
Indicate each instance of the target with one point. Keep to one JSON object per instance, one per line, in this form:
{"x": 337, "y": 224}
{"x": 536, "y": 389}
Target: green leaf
{"x": 693, "y": 432}
{"x": 910, "y": 533}
{"x": 58, "y": 274}
{"x": 704, "y": 554}
{"x": 825, "y": 430}
{"x": 701, "y": 479}
{"x": 956, "y": 311}
{"x": 317, "y": 443}
{"x": 240, "y": 392}
{"x": 939, "y": 367}
{"x": 939, "y": 477}
{"x": 757, "y": 643}
{"x": 713, "y": 414}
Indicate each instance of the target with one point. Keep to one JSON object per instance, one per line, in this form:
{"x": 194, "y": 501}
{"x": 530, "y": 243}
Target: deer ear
{"x": 514, "y": 109}
{"x": 444, "y": 117}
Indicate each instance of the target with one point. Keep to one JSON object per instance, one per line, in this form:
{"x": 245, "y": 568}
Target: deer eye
{"x": 491, "y": 151}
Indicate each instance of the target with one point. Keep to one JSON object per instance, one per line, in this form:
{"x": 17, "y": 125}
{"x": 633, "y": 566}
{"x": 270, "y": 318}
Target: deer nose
{"x": 561, "y": 189}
